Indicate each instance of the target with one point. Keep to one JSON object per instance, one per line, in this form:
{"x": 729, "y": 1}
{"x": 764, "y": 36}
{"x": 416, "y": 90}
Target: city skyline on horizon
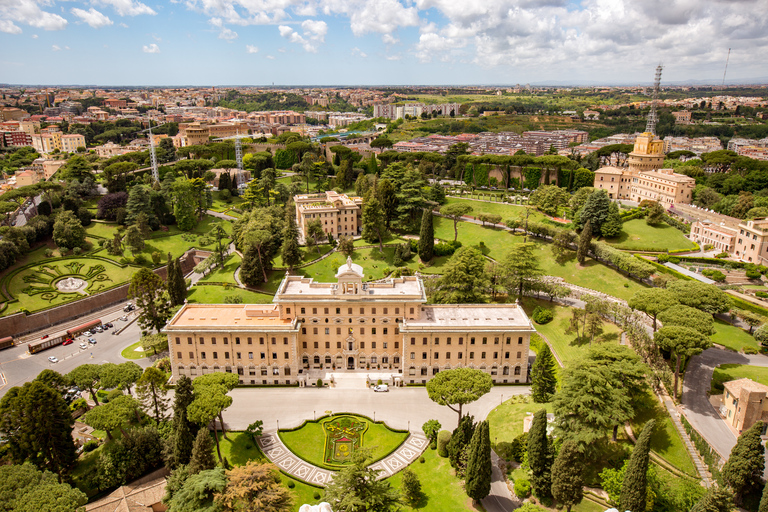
{"x": 290, "y": 43}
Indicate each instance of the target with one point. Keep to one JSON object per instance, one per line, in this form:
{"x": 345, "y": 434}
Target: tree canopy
{"x": 457, "y": 387}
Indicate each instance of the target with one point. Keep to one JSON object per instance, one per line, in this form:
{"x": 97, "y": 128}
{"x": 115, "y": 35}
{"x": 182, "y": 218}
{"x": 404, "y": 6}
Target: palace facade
{"x": 349, "y": 325}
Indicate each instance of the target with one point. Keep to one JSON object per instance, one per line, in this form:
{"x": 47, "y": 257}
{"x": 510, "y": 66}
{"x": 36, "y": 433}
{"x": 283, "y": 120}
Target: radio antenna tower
{"x": 152, "y": 154}
{"x": 726, "y": 67}
{"x": 652, "y": 117}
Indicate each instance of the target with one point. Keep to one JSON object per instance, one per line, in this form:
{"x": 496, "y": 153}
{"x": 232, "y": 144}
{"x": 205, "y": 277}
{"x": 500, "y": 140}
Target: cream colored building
{"x": 47, "y": 142}
{"x": 648, "y": 153}
{"x": 721, "y": 237}
{"x": 339, "y": 214}
{"x": 28, "y": 177}
{"x": 345, "y": 326}
{"x": 70, "y": 142}
{"x": 752, "y": 241}
{"x": 744, "y": 403}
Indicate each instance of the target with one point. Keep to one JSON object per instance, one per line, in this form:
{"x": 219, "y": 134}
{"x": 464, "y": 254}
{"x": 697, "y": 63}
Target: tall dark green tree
{"x": 634, "y": 488}
{"x": 374, "y": 228}
{"x": 521, "y": 269}
{"x": 37, "y": 425}
{"x": 745, "y": 465}
{"x": 567, "y": 480}
{"x": 179, "y": 447}
{"x": 460, "y": 439}
{"x": 613, "y": 226}
{"x": 479, "y": 466}
{"x": 251, "y": 271}
{"x": 543, "y": 379}
{"x": 290, "y": 250}
{"x": 585, "y": 239}
{"x": 717, "y": 499}
{"x": 202, "y": 457}
{"x": 174, "y": 287}
{"x": 426, "y": 236}
{"x": 595, "y": 210}
{"x": 464, "y": 278}
{"x": 764, "y": 500}
{"x": 356, "y": 488}
{"x": 540, "y": 455}
{"x": 149, "y": 292}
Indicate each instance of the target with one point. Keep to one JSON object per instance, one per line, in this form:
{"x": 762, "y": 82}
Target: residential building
{"x": 721, "y": 237}
{"x": 752, "y": 241}
{"x": 47, "y": 142}
{"x": 339, "y": 214}
{"x": 17, "y": 139}
{"x": 12, "y": 114}
{"x": 663, "y": 185}
{"x": 27, "y": 177}
{"x": 349, "y": 325}
{"x": 682, "y": 117}
{"x": 591, "y": 115}
{"x": 696, "y": 145}
{"x": 744, "y": 403}
{"x": 115, "y": 103}
{"x": 414, "y": 109}
{"x": 51, "y": 166}
{"x": 70, "y": 142}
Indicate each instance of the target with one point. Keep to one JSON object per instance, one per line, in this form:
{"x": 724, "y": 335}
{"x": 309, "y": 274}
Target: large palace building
{"x": 338, "y": 214}
{"x": 347, "y": 326}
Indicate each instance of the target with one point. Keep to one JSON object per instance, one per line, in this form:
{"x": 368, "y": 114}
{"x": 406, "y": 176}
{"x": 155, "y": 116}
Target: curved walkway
{"x": 287, "y": 461}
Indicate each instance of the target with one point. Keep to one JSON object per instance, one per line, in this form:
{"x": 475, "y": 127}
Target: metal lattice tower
{"x": 239, "y": 153}
{"x": 652, "y": 116}
{"x": 152, "y": 154}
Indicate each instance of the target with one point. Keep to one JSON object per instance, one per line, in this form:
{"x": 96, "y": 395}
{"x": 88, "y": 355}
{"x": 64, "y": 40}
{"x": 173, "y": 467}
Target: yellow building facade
{"x": 339, "y": 214}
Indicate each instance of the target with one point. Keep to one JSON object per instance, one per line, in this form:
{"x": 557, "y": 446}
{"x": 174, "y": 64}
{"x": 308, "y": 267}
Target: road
{"x": 17, "y": 366}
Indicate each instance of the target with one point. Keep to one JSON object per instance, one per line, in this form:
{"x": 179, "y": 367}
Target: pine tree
{"x": 717, "y": 499}
{"x": 479, "y": 467}
{"x": 181, "y": 284}
{"x": 411, "y": 488}
{"x": 180, "y": 446}
{"x": 746, "y": 463}
{"x": 290, "y": 250}
{"x": 461, "y": 436}
{"x": 585, "y": 240}
{"x": 173, "y": 286}
{"x": 634, "y": 488}
{"x": 567, "y": 481}
{"x": 543, "y": 380}
{"x": 540, "y": 455}
{"x": 202, "y": 457}
{"x": 426, "y": 237}
{"x": 764, "y": 501}
{"x": 251, "y": 272}
{"x": 612, "y": 226}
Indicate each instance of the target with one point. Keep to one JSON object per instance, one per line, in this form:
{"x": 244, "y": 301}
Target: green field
{"x": 726, "y": 372}
{"x": 307, "y": 255}
{"x": 506, "y": 420}
{"x": 639, "y": 236}
{"x": 733, "y": 337}
{"x": 225, "y": 274}
{"x": 213, "y": 294}
{"x": 507, "y": 211}
{"x": 308, "y": 442}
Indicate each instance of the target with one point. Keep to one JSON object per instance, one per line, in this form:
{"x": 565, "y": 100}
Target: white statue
{"x": 322, "y": 507}
{"x": 349, "y": 262}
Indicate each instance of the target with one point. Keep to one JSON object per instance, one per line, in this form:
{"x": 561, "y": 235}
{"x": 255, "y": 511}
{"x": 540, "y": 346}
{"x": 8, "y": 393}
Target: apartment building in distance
{"x": 393, "y": 112}
{"x": 70, "y": 142}
{"x": 339, "y": 214}
{"x": 349, "y": 325}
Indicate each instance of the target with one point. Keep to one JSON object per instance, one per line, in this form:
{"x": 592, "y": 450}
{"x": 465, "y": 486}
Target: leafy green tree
{"x": 585, "y": 240}
{"x": 198, "y": 492}
{"x": 184, "y": 196}
{"x": 149, "y": 292}
{"x": 464, "y": 279}
{"x": 226, "y": 381}
{"x": 86, "y": 376}
{"x": 479, "y": 466}
{"x": 567, "y": 480}
{"x": 431, "y": 428}
{"x": 706, "y": 297}
{"x": 202, "y": 453}
{"x": 24, "y": 488}
{"x": 53, "y": 380}
{"x": 315, "y": 233}
{"x": 455, "y": 212}
{"x": 68, "y": 231}
{"x": 178, "y": 449}
{"x": 77, "y": 168}
{"x": 346, "y": 246}
{"x": 684, "y": 342}
{"x": 139, "y": 201}
{"x": 548, "y": 198}
{"x": 356, "y": 488}
{"x": 686, "y": 316}
{"x": 374, "y": 228}
{"x": 634, "y": 488}
{"x": 653, "y": 301}
{"x": 764, "y": 500}
{"x": 459, "y": 443}
{"x": 121, "y": 376}
{"x": 151, "y": 390}
{"x": 133, "y": 239}
{"x": 540, "y": 455}
{"x": 251, "y": 271}
{"x": 457, "y": 387}
{"x": 37, "y": 425}
{"x": 613, "y": 226}
{"x": 761, "y": 335}
{"x": 177, "y": 288}
{"x": 208, "y": 403}
{"x": 745, "y": 465}
{"x": 426, "y": 236}
{"x": 595, "y": 210}
{"x": 522, "y": 269}
{"x": 717, "y": 499}
{"x": 654, "y": 214}
{"x": 114, "y": 415}
{"x": 255, "y": 487}
{"x": 543, "y": 376}
{"x": 562, "y": 245}
{"x": 411, "y": 488}
{"x": 290, "y": 250}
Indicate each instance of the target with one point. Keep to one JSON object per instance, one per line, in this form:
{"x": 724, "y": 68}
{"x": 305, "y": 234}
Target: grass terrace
{"x": 726, "y": 372}
{"x": 214, "y": 294}
{"x": 733, "y": 337}
{"x": 639, "y": 236}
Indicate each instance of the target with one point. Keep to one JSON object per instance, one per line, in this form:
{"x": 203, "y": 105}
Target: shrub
{"x": 76, "y": 250}
{"x": 316, "y": 495}
{"x": 721, "y": 255}
{"x": 233, "y": 299}
{"x": 674, "y": 259}
{"x": 114, "y": 394}
{"x": 421, "y": 459}
{"x": 753, "y": 274}
{"x": 378, "y": 382}
{"x": 522, "y": 488}
{"x": 291, "y": 483}
{"x": 319, "y": 383}
{"x": 140, "y": 259}
{"x": 156, "y": 257}
{"x": 90, "y": 446}
{"x": 442, "y": 442}
{"x": 750, "y": 350}
{"x": 518, "y": 447}
{"x": 80, "y": 403}
{"x": 542, "y": 315}
{"x": 663, "y": 258}
{"x": 48, "y": 253}
{"x": 762, "y": 295}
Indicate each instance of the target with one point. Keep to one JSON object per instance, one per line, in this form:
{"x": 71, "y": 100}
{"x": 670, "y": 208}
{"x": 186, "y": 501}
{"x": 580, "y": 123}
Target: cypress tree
{"x": 202, "y": 453}
{"x": 183, "y": 437}
{"x": 250, "y": 270}
{"x": 764, "y": 501}
{"x": 612, "y": 226}
{"x": 543, "y": 380}
{"x": 290, "y": 251}
{"x": 173, "y": 287}
{"x": 224, "y": 181}
{"x": 180, "y": 283}
{"x": 540, "y": 455}
{"x": 426, "y": 236}
{"x": 717, "y": 499}
{"x": 479, "y": 467}
{"x": 567, "y": 482}
{"x": 635, "y": 485}
{"x": 584, "y": 240}
{"x": 460, "y": 438}
{"x": 746, "y": 463}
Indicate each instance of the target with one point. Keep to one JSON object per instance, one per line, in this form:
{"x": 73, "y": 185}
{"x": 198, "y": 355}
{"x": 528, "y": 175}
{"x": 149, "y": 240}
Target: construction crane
{"x": 650, "y": 126}
{"x": 238, "y": 148}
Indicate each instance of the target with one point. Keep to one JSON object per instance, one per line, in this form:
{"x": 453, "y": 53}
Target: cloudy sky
{"x": 260, "y": 42}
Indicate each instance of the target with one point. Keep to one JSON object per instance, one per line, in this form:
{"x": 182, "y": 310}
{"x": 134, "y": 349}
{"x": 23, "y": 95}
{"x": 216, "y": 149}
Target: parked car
{"x": 53, "y": 359}
{"x": 87, "y": 333}
{"x": 91, "y": 341}
{"x": 124, "y": 318}
{"x": 83, "y": 346}
{"x": 68, "y": 341}
{"x": 129, "y": 307}
{"x": 45, "y": 336}
{"x": 110, "y": 325}
{"x": 105, "y": 327}
{"x": 98, "y": 329}
{"x": 381, "y": 388}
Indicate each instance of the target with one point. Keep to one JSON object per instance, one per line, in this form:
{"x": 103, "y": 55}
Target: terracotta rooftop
{"x": 202, "y": 316}
{"x": 735, "y": 386}
{"x": 137, "y": 496}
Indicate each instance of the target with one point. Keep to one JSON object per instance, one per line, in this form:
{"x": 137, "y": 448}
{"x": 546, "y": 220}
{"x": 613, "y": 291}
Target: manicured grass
{"x": 307, "y": 254}
{"x": 507, "y": 211}
{"x": 308, "y": 442}
{"x": 130, "y": 352}
{"x": 732, "y": 337}
{"x": 219, "y": 205}
{"x": 637, "y": 235}
{"x": 443, "y": 491}
{"x": 85, "y": 470}
{"x": 665, "y": 441}
{"x": 373, "y": 262}
{"x": 506, "y": 420}
{"x": 102, "y": 230}
{"x": 211, "y": 294}
{"x": 726, "y": 372}
{"x": 225, "y": 274}
{"x": 389, "y": 239}
{"x": 567, "y": 346}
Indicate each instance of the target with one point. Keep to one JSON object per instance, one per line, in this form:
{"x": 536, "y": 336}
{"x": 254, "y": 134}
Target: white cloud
{"x": 127, "y": 7}
{"x": 9, "y": 27}
{"x": 28, "y": 12}
{"x": 313, "y": 36}
{"x": 357, "y": 52}
{"x": 249, "y": 48}
{"x": 56, "y": 48}
{"x": 152, "y": 48}
{"x": 66, "y": 47}
{"x": 123, "y": 25}
{"x": 92, "y": 17}
{"x": 34, "y": 36}
{"x": 393, "y": 57}
{"x": 389, "y": 39}
{"x": 271, "y": 57}
{"x": 224, "y": 32}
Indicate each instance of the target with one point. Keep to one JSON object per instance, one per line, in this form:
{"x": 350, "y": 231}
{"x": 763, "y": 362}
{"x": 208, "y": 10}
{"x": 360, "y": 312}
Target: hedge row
{"x": 685, "y": 228}
{"x": 622, "y": 260}
{"x": 696, "y": 247}
{"x": 711, "y": 458}
{"x": 664, "y": 269}
{"x": 748, "y": 306}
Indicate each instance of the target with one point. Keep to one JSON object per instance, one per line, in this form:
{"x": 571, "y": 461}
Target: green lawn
{"x": 665, "y": 441}
{"x": 638, "y": 235}
{"x": 224, "y": 274}
{"x": 130, "y": 351}
{"x": 308, "y": 442}
{"x": 219, "y": 205}
{"x": 373, "y": 262}
{"x": 506, "y": 420}
{"x": 567, "y": 346}
{"x": 307, "y": 254}
{"x": 443, "y": 492}
{"x": 102, "y": 229}
{"x": 507, "y": 211}
{"x": 211, "y": 294}
{"x": 726, "y": 372}
{"x": 733, "y": 337}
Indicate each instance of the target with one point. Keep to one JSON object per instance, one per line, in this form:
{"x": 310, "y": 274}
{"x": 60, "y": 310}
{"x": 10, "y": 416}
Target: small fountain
{"x": 71, "y": 284}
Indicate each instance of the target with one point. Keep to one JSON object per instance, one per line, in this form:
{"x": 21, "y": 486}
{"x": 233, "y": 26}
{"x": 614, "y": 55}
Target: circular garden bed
{"x": 330, "y": 442}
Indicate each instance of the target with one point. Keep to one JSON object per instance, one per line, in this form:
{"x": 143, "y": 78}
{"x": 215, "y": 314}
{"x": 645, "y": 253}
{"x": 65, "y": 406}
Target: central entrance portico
{"x": 350, "y": 363}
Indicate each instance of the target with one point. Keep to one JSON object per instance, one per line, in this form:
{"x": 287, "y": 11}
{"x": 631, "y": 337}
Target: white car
{"x": 83, "y": 346}
{"x": 98, "y": 329}
{"x": 87, "y": 333}
{"x": 381, "y": 388}
{"x": 53, "y": 359}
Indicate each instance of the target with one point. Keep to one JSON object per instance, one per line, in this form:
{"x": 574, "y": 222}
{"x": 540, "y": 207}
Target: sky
{"x": 379, "y": 42}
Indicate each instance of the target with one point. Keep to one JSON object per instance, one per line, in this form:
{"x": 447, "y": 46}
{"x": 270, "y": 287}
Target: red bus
{"x": 6, "y": 342}
{"x": 76, "y": 331}
{"x": 37, "y": 346}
